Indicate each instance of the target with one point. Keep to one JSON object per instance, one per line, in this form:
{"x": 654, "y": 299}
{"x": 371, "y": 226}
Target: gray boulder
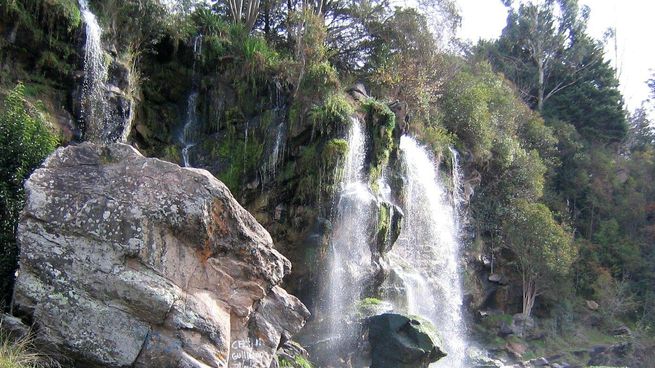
{"x": 398, "y": 341}
{"x": 132, "y": 261}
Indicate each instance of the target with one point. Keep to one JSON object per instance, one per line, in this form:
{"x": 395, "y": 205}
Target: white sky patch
{"x": 635, "y": 28}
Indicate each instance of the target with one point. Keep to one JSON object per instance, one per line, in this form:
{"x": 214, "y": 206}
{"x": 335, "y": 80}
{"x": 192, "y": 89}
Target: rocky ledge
{"x": 132, "y": 261}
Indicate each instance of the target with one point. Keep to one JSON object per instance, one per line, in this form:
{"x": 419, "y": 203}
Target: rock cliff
{"x": 132, "y": 261}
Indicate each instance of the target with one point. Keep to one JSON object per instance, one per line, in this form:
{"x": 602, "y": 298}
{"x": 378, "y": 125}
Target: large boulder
{"x": 398, "y": 341}
{"x": 132, "y": 261}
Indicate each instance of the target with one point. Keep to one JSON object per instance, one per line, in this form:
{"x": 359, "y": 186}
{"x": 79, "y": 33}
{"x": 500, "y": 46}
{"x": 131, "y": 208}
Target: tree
{"x": 25, "y": 141}
{"x": 245, "y": 12}
{"x": 540, "y": 44}
{"x": 542, "y": 248}
{"x": 641, "y": 135}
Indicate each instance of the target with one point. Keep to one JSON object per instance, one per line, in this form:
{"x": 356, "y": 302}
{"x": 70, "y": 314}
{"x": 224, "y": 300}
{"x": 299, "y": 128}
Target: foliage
{"x": 333, "y": 115}
{"x": 25, "y": 140}
{"x": 542, "y": 248}
{"x": 404, "y": 63}
{"x": 381, "y": 122}
{"x": 298, "y": 361}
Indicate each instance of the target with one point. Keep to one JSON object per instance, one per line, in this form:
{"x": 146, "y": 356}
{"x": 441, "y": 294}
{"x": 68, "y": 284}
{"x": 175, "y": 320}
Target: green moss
{"x": 241, "y": 159}
{"x": 319, "y": 165}
{"x": 335, "y": 112}
{"x": 383, "y": 225}
{"x": 370, "y": 301}
{"x": 172, "y": 154}
{"x": 381, "y": 122}
{"x": 298, "y": 361}
{"x": 320, "y": 80}
{"x": 333, "y": 154}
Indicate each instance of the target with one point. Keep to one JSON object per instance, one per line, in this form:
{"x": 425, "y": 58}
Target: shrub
{"x": 25, "y": 140}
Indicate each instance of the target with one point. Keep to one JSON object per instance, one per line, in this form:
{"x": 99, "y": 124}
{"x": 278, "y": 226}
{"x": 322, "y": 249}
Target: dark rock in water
{"x": 131, "y": 261}
{"x": 398, "y": 341}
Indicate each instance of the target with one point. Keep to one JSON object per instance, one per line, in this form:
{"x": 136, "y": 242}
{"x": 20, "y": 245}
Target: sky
{"x": 635, "y": 27}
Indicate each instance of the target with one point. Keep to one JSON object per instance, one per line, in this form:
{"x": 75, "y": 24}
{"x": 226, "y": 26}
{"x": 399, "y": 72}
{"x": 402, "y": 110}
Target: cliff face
{"x": 131, "y": 261}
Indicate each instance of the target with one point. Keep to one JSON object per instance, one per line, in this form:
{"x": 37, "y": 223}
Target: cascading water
{"x": 426, "y": 254}
{"x": 276, "y": 142}
{"x": 349, "y": 254}
{"x": 95, "y": 110}
{"x": 189, "y": 132}
{"x": 278, "y": 149}
{"x": 458, "y": 189}
{"x": 188, "y": 136}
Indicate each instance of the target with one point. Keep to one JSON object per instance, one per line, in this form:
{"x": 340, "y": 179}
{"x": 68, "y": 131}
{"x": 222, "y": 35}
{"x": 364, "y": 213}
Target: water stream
{"x": 426, "y": 254}
{"x": 349, "y": 254}
{"x": 189, "y": 135}
{"x": 95, "y": 111}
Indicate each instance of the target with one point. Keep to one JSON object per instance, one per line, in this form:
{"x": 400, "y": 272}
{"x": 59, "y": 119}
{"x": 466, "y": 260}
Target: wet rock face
{"x": 130, "y": 261}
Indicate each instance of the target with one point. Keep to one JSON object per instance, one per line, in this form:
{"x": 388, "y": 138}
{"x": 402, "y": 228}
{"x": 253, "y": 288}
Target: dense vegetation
{"x": 563, "y": 203}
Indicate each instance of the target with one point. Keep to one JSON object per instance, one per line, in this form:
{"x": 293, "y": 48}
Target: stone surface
{"x": 516, "y": 349}
{"x": 521, "y": 324}
{"x": 498, "y": 279}
{"x": 401, "y": 342}
{"x": 592, "y": 305}
{"x": 131, "y": 261}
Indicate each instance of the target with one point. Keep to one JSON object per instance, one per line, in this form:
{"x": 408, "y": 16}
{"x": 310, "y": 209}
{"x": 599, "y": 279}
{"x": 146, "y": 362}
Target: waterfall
{"x": 278, "y": 149}
{"x": 349, "y": 253}
{"x": 188, "y": 136}
{"x": 458, "y": 188}
{"x": 95, "y": 110}
{"x": 426, "y": 254}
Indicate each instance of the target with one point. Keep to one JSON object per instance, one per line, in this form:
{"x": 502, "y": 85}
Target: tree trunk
{"x": 267, "y": 19}
{"x": 540, "y": 87}
{"x": 529, "y": 293}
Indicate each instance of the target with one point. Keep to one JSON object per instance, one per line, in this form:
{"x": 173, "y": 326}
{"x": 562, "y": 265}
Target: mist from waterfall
{"x": 95, "y": 110}
{"x": 426, "y": 254}
{"x": 349, "y": 253}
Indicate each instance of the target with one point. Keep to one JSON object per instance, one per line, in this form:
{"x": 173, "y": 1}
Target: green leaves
{"x": 25, "y": 140}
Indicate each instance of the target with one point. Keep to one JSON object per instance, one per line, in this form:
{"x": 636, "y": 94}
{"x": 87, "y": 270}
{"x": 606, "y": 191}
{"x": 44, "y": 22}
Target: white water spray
{"x": 426, "y": 255}
{"x": 95, "y": 110}
{"x": 188, "y": 137}
{"x": 350, "y": 255}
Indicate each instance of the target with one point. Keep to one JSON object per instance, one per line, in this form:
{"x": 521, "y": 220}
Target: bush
{"x": 25, "y": 140}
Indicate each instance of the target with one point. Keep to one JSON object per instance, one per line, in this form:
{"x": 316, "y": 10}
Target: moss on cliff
{"x": 381, "y": 122}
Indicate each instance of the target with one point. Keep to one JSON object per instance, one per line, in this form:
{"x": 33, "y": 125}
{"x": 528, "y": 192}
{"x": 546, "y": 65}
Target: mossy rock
{"x": 381, "y": 122}
{"x": 400, "y": 341}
